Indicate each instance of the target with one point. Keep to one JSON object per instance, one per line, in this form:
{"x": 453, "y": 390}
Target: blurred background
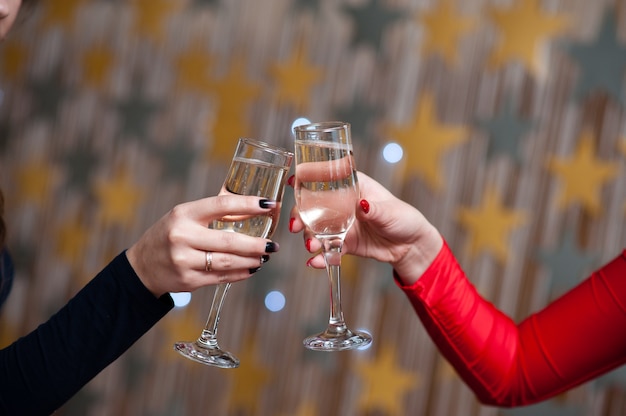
{"x": 503, "y": 121}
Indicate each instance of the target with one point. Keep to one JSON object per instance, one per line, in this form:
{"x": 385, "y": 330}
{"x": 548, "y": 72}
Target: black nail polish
{"x": 265, "y": 258}
{"x": 252, "y": 271}
{"x": 267, "y": 203}
{"x": 271, "y": 247}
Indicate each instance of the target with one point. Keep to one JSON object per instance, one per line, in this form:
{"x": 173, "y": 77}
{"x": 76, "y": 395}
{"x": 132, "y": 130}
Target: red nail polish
{"x": 307, "y": 244}
{"x": 308, "y": 262}
{"x": 291, "y": 180}
{"x": 291, "y": 221}
{"x": 365, "y": 206}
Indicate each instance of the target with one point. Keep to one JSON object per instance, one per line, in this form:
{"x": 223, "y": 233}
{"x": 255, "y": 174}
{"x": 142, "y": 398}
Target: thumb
{"x": 366, "y": 211}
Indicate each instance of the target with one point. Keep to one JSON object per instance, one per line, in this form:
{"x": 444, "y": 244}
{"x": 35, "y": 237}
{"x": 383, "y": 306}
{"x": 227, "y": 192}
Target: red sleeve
{"x": 577, "y": 337}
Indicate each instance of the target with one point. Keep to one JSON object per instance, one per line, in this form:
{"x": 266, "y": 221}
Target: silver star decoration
{"x": 136, "y": 112}
{"x": 505, "y": 132}
{"x": 177, "y": 158}
{"x": 48, "y": 93}
{"x": 602, "y": 62}
{"x": 567, "y": 263}
{"x": 80, "y": 162}
{"x": 361, "y": 116}
{"x": 370, "y": 23}
{"x": 311, "y": 5}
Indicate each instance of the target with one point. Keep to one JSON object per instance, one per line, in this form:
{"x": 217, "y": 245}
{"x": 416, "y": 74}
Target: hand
{"x": 171, "y": 254}
{"x": 386, "y": 229}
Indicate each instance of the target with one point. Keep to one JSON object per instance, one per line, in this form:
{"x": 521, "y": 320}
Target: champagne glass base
{"x": 207, "y": 355}
{"x": 329, "y": 341}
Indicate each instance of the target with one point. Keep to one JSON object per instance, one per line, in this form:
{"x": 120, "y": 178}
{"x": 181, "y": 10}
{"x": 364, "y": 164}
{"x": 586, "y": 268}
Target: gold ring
{"x": 209, "y": 261}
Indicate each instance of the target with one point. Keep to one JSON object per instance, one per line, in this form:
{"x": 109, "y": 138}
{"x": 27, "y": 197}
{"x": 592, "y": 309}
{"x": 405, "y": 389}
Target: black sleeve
{"x": 41, "y": 371}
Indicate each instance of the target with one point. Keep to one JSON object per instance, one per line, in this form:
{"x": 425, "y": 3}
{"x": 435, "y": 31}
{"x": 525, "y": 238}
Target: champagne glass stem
{"x": 208, "y": 337}
{"x": 332, "y": 256}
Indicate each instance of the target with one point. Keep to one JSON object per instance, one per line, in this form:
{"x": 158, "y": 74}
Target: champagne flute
{"x": 326, "y": 192}
{"x": 259, "y": 169}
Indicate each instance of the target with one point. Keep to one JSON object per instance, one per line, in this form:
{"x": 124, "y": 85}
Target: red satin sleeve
{"x": 575, "y": 338}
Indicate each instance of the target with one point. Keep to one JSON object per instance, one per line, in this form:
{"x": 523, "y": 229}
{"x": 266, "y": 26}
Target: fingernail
{"x": 291, "y": 221}
{"x": 291, "y": 179}
{"x": 308, "y": 262}
{"x": 265, "y": 258}
{"x": 307, "y": 244}
{"x": 267, "y": 203}
{"x": 365, "y": 206}
{"x": 252, "y": 271}
{"x": 271, "y": 247}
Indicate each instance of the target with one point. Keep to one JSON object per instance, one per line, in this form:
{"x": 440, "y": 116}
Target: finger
{"x": 197, "y": 278}
{"x": 215, "y": 207}
{"x": 325, "y": 171}
{"x": 316, "y": 262}
{"x": 221, "y": 263}
{"x": 311, "y": 243}
{"x": 295, "y": 223}
{"x": 231, "y": 242}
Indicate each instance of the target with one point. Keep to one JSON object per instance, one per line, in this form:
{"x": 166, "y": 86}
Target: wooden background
{"x": 510, "y": 114}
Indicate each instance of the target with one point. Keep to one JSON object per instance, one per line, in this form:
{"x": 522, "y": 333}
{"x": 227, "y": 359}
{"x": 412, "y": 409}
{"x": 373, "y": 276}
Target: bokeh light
{"x": 181, "y": 299}
{"x": 299, "y": 122}
{"x": 393, "y": 152}
{"x": 275, "y": 301}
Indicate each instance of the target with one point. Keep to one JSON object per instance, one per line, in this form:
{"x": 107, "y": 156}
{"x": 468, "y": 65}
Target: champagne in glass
{"x": 327, "y": 191}
{"x": 256, "y": 169}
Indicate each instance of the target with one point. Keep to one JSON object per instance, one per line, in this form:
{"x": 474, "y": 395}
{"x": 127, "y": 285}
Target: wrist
{"x": 135, "y": 263}
{"x": 410, "y": 267}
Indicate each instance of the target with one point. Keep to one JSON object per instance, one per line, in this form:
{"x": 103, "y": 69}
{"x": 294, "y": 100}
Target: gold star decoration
{"x": 36, "y": 181}
{"x": 350, "y": 269}
{"x": 425, "y": 141}
{"x": 490, "y": 224}
{"x": 118, "y": 199}
{"x": 523, "y": 28}
{"x": 193, "y": 70}
{"x": 151, "y": 16}
{"x": 234, "y": 92}
{"x": 248, "y": 381}
{"x": 582, "y": 176}
{"x": 72, "y": 239}
{"x": 445, "y": 372}
{"x": 444, "y": 27}
{"x": 60, "y": 13}
{"x": 305, "y": 409}
{"x": 385, "y": 383}
{"x": 97, "y": 63}
{"x": 13, "y": 60}
{"x": 295, "y": 78}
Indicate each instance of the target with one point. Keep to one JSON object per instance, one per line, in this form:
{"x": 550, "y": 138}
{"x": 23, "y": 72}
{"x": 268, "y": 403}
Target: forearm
{"x": 42, "y": 370}
{"x": 510, "y": 365}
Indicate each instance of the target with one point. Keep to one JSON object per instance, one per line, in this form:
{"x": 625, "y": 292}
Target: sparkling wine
{"x": 268, "y": 180}
{"x": 326, "y": 188}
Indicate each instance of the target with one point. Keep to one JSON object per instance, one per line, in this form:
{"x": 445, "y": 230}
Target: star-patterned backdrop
{"x": 511, "y": 118}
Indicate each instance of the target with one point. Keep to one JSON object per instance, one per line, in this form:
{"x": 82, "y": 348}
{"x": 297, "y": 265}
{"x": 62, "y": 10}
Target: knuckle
{"x": 222, "y": 203}
{"x": 226, "y": 262}
{"x": 178, "y": 211}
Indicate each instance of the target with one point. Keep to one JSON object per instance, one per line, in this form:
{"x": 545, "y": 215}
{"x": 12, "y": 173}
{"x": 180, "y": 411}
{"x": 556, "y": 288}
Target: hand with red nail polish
{"x": 386, "y": 229}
